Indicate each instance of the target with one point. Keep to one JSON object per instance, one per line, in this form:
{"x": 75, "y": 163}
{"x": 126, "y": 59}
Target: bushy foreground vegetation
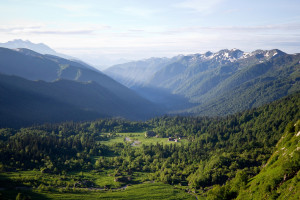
{"x": 216, "y": 158}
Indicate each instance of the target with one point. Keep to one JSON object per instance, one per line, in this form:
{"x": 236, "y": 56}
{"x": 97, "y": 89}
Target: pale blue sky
{"x": 135, "y": 29}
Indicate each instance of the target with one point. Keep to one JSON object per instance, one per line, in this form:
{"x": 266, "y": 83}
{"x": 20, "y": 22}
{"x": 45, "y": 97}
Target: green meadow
{"x": 147, "y": 190}
{"x": 139, "y": 139}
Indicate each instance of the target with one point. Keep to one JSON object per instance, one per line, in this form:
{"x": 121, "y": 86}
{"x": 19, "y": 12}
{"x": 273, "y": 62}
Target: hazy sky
{"x": 135, "y": 29}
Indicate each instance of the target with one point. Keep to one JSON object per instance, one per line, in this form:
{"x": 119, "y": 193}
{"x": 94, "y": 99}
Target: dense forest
{"x": 219, "y": 161}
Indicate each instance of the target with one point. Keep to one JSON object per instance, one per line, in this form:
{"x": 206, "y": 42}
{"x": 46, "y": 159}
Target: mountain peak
{"x": 267, "y": 53}
{"x": 227, "y": 55}
{"x": 19, "y": 43}
{"x": 37, "y": 47}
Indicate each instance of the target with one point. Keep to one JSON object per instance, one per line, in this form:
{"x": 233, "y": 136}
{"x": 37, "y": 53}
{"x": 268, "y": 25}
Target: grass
{"x": 140, "y": 137}
{"x": 145, "y": 190}
{"x": 140, "y": 191}
{"x": 101, "y": 179}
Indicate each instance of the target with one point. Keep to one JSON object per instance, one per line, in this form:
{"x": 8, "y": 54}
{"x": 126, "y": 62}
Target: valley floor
{"x": 67, "y": 188}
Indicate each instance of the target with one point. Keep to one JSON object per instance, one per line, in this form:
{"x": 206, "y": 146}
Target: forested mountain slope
{"x": 252, "y": 86}
{"x": 34, "y": 66}
{"x": 220, "y": 83}
{"x": 101, "y": 95}
{"x": 25, "y": 102}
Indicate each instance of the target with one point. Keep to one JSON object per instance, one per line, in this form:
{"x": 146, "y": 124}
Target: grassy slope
{"x": 280, "y": 177}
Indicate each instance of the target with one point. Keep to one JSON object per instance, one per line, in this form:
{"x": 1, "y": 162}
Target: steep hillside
{"x": 25, "y": 102}
{"x": 252, "y": 86}
{"x": 279, "y": 178}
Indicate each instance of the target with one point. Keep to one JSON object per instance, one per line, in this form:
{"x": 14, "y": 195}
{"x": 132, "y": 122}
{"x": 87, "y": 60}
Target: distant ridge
{"x": 18, "y": 43}
{"x": 40, "y": 47}
{"x": 37, "y": 47}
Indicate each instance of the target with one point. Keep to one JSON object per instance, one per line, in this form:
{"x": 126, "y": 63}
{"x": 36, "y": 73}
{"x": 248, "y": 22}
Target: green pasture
{"x": 140, "y": 139}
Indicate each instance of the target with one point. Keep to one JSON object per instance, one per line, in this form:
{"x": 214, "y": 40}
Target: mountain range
{"x": 214, "y": 84}
{"x": 41, "y": 88}
{"x": 44, "y": 87}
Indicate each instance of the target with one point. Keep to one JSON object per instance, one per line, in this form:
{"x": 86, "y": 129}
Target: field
{"x": 138, "y": 139}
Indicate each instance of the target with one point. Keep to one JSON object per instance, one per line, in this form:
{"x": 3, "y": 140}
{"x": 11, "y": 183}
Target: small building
{"x": 172, "y": 139}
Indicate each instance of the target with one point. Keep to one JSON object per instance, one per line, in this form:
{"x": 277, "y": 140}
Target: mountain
{"x": 18, "y": 43}
{"x": 252, "y": 86}
{"x": 26, "y": 44}
{"x": 101, "y": 91}
{"x": 25, "y": 102}
{"x": 136, "y": 73}
{"x": 41, "y": 49}
{"x": 218, "y": 83}
{"x": 34, "y": 66}
{"x": 194, "y": 75}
